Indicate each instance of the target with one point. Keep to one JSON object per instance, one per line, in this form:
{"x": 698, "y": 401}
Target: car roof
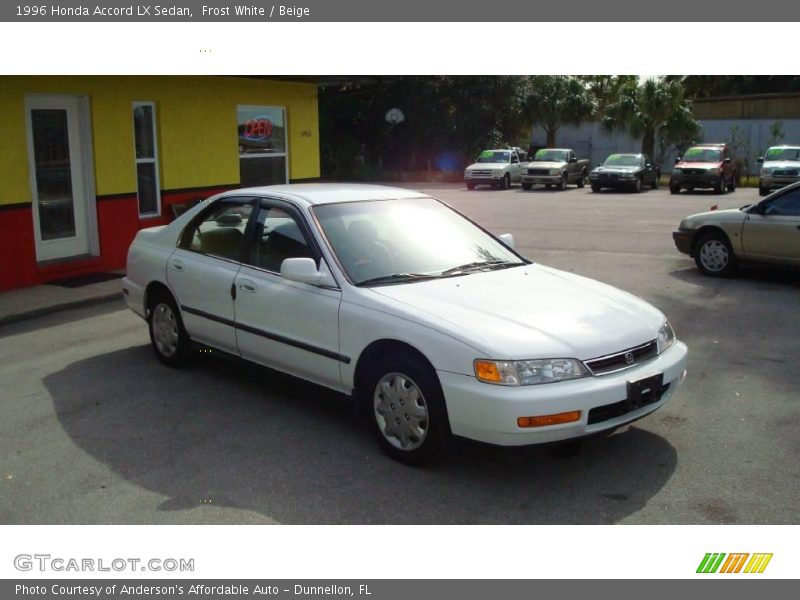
{"x": 789, "y": 146}
{"x": 716, "y": 145}
{"x": 327, "y": 193}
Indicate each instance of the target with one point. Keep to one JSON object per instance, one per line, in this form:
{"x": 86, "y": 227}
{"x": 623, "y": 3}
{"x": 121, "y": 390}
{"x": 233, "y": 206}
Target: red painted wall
{"x": 117, "y": 221}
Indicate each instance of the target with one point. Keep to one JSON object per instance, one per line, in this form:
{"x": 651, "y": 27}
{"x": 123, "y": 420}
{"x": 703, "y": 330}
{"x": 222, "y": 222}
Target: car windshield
{"x": 390, "y": 241}
{"x": 623, "y": 160}
{"x": 550, "y": 156}
{"x": 490, "y": 156}
{"x": 783, "y": 154}
{"x": 703, "y": 155}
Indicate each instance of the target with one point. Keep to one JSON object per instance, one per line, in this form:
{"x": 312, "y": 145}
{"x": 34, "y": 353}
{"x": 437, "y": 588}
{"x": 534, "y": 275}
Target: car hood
{"x": 545, "y": 164}
{"x": 727, "y": 214}
{"x": 615, "y": 169}
{"x": 487, "y": 166}
{"x": 781, "y": 164}
{"x": 699, "y": 165}
{"x": 531, "y": 311}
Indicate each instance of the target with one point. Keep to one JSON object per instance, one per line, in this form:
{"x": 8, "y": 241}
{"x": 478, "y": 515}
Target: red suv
{"x": 704, "y": 166}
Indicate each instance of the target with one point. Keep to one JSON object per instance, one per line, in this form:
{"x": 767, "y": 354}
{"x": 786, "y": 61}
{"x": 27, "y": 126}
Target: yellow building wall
{"x": 196, "y": 126}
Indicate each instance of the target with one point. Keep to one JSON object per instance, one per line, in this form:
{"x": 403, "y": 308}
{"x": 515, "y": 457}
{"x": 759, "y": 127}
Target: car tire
{"x": 547, "y": 186}
{"x": 714, "y": 256}
{"x": 507, "y": 182}
{"x": 405, "y": 407}
{"x": 596, "y": 188}
{"x": 582, "y": 180}
{"x": 720, "y": 186}
{"x": 762, "y": 191}
{"x": 168, "y": 336}
{"x": 637, "y": 185}
{"x": 654, "y": 184}
{"x": 674, "y": 189}
{"x": 470, "y": 186}
{"x": 732, "y": 185}
{"x": 527, "y": 186}
{"x": 563, "y": 184}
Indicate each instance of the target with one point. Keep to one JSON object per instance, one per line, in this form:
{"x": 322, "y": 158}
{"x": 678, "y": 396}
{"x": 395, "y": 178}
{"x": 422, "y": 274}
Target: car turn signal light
{"x": 544, "y": 420}
{"x": 487, "y": 371}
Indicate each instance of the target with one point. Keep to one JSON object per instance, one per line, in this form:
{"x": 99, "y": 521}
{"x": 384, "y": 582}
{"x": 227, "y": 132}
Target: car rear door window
{"x": 219, "y": 231}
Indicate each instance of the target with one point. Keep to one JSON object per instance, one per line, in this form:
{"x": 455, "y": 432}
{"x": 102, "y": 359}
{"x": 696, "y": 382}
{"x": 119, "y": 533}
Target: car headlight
{"x": 555, "y": 171}
{"x": 713, "y": 171}
{"x": 676, "y": 171}
{"x": 497, "y": 172}
{"x": 666, "y": 337}
{"x": 627, "y": 175}
{"x": 529, "y": 372}
{"x": 594, "y": 175}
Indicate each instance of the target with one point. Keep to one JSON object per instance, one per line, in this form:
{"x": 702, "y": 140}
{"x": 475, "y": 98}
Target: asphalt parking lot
{"x": 94, "y": 430}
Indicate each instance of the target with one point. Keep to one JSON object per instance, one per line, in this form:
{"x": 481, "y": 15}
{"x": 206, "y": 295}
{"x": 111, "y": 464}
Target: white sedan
{"x": 432, "y": 324}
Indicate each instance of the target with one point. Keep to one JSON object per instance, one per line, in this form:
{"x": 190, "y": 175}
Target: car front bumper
{"x": 489, "y": 413}
{"x": 683, "y": 240}
{"x": 613, "y": 182}
{"x": 695, "y": 181}
{"x": 776, "y": 182}
{"x": 553, "y": 179}
{"x": 484, "y": 179}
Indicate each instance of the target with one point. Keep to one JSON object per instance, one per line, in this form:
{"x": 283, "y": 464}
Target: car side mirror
{"x": 507, "y": 239}
{"x": 573, "y": 160}
{"x": 760, "y": 159}
{"x": 759, "y": 209}
{"x": 648, "y": 165}
{"x": 728, "y": 159}
{"x": 304, "y": 270}
{"x": 677, "y": 159}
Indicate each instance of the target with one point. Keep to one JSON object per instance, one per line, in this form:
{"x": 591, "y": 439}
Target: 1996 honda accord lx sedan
{"x": 432, "y": 324}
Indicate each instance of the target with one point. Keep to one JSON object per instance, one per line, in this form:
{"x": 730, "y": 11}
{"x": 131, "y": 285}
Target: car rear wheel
{"x": 654, "y": 184}
{"x": 732, "y": 184}
{"x": 714, "y": 255}
{"x": 168, "y": 336}
{"x": 407, "y": 412}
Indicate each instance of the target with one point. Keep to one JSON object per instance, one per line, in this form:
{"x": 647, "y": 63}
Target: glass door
{"x": 59, "y": 180}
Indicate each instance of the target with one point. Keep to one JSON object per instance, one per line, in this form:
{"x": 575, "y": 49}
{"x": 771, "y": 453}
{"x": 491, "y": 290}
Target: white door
{"x": 202, "y": 269}
{"x": 59, "y": 158}
{"x": 293, "y": 327}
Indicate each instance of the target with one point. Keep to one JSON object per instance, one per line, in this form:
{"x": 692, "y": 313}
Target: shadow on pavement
{"x": 228, "y": 433}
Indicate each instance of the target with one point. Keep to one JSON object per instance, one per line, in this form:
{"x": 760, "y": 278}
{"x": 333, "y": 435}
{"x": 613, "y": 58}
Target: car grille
{"x": 785, "y": 172}
{"x": 598, "y": 414}
{"x": 609, "y": 175}
{"x": 623, "y": 359}
{"x": 481, "y": 172}
{"x": 538, "y": 171}
{"x": 694, "y": 171}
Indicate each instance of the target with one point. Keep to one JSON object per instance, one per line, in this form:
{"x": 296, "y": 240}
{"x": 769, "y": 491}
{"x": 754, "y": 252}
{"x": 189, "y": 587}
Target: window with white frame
{"x": 263, "y": 153}
{"x": 148, "y": 189}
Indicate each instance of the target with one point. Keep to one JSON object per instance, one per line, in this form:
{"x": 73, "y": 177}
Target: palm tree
{"x": 555, "y": 100}
{"x": 654, "y": 109}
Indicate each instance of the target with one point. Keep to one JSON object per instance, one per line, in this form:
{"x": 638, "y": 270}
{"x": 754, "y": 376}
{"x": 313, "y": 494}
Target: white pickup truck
{"x": 555, "y": 166}
{"x": 498, "y": 168}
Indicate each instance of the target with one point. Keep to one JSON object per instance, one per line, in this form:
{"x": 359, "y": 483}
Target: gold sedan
{"x": 766, "y": 232}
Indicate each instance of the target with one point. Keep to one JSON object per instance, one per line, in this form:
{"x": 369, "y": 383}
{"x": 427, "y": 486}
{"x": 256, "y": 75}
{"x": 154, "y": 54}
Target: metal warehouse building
{"x": 87, "y": 161}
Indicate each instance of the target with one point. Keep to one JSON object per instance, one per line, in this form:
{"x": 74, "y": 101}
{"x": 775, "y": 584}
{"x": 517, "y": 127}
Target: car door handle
{"x": 177, "y": 265}
{"x": 247, "y": 286}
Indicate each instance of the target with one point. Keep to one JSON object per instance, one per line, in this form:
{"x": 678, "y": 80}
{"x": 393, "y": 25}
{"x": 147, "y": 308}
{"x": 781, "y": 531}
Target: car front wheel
{"x": 168, "y": 336}
{"x": 714, "y": 255}
{"x": 563, "y": 184}
{"x": 407, "y": 411}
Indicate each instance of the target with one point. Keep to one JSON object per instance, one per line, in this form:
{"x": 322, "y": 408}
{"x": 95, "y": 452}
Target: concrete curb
{"x": 59, "y": 307}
